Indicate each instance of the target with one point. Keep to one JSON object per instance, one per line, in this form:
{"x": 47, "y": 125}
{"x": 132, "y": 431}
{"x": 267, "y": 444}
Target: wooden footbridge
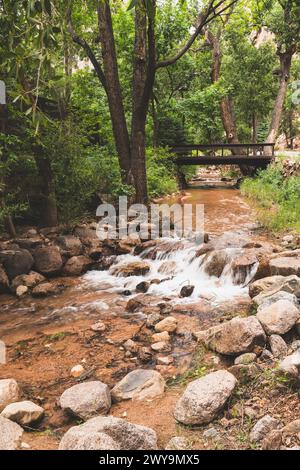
{"x": 252, "y": 155}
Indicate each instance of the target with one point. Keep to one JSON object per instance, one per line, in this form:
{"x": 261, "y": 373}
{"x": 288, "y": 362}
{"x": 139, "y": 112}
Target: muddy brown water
{"x": 45, "y": 338}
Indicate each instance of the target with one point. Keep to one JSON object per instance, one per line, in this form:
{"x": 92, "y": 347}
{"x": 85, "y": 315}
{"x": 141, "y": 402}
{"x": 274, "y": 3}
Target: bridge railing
{"x": 221, "y": 150}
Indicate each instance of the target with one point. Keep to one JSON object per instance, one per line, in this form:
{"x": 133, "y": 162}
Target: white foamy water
{"x": 176, "y": 269}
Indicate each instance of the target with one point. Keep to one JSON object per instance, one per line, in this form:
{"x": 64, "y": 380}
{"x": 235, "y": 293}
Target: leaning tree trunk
{"x": 285, "y": 67}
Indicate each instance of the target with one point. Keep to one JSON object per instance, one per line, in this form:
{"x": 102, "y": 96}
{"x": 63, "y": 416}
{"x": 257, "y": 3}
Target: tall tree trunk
{"x": 254, "y": 128}
{"x": 50, "y": 215}
{"x": 285, "y": 67}
{"x": 113, "y": 89}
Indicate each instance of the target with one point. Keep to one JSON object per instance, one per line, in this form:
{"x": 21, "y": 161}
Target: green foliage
{"x": 161, "y": 172}
{"x": 278, "y": 198}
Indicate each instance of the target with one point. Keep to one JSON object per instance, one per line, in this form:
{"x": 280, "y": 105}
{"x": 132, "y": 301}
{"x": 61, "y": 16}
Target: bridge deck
{"x": 224, "y": 154}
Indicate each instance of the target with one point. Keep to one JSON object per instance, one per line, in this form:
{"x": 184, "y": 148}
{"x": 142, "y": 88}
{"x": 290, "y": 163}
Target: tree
{"x": 131, "y": 142}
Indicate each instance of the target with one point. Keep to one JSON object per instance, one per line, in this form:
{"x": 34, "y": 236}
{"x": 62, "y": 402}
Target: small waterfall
{"x": 172, "y": 265}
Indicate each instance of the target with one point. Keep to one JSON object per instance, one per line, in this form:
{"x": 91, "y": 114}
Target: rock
{"x": 285, "y": 266}
{"x": 4, "y": 281}
{"x": 266, "y": 356}
{"x": 273, "y": 284}
{"x": 143, "y": 287}
{"x": 204, "y": 398}
{"x": 24, "y": 413}
{"x": 138, "y": 268}
{"x": 178, "y": 443}
{"x": 165, "y": 360}
{"x": 9, "y": 392}
{"x": 291, "y": 365}
{"x": 163, "y": 336}
{"x": 10, "y": 435}
{"x": 86, "y": 399}
{"x": 168, "y": 268}
{"x": 140, "y": 384}
{"x": 242, "y": 266}
{"x": 262, "y": 428}
{"x": 168, "y": 324}
{"x": 136, "y": 303}
{"x": 295, "y": 345}
{"x": 145, "y": 354}
{"x": 131, "y": 346}
{"x": 21, "y": 291}
{"x": 292, "y": 428}
{"x": 279, "y": 317}
{"x": 29, "y": 280}
{"x": 77, "y": 265}
{"x": 16, "y": 262}
{"x": 245, "y": 372}
{"x": 45, "y": 289}
{"x": 76, "y": 371}
{"x": 2, "y": 352}
{"x": 245, "y": 359}
{"x": 48, "y": 260}
{"x": 119, "y": 434}
{"x": 160, "y": 346}
{"x": 265, "y": 299}
{"x": 238, "y": 336}
{"x": 272, "y": 441}
{"x": 153, "y": 318}
{"x": 215, "y": 262}
{"x": 187, "y": 291}
{"x": 98, "y": 327}
{"x": 70, "y": 245}
{"x": 278, "y": 346}
{"x": 211, "y": 433}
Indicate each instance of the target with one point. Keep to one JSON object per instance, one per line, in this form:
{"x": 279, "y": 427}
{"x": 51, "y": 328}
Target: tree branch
{"x": 85, "y": 46}
{"x": 206, "y": 17}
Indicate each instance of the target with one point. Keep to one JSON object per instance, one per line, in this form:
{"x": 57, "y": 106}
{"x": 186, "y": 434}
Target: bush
{"x": 277, "y": 197}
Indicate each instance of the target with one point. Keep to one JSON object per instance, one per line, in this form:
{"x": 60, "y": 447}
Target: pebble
{"x": 76, "y": 371}
{"x": 98, "y": 327}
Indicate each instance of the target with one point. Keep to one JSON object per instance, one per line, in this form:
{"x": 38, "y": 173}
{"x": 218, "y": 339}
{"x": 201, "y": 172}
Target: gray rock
{"x": 278, "y": 346}
{"x": 120, "y": 435}
{"x": 285, "y": 266}
{"x": 244, "y": 372}
{"x": 70, "y": 245}
{"x": 262, "y": 428}
{"x": 265, "y": 300}
{"x": 245, "y": 359}
{"x": 140, "y": 384}
{"x": 16, "y": 262}
{"x": 291, "y": 365}
{"x": 2, "y": 353}
{"x": 266, "y": 356}
{"x": 238, "y": 336}
{"x": 295, "y": 345}
{"x": 211, "y": 433}
{"x": 10, "y": 435}
{"x": 86, "y": 399}
{"x": 178, "y": 443}
{"x": 24, "y": 413}
{"x": 9, "y": 392}
{"x": 204, "y": 398}
{"x": 273, "y": 284}
{"x": 279, "y": 317}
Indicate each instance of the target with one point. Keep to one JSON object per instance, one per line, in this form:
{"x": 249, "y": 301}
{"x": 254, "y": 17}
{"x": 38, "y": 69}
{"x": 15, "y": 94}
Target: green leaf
{"x": 132, "y": 4}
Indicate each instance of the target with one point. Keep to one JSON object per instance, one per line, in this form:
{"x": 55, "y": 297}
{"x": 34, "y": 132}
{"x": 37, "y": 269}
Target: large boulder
{"x": 140, "y": 384}
{"x": 24, "y": 413}
{"x": 273, "y": 284}
{"x": 204, "y": 398}
{"x": 48, "y": 260}
{"x": 86, "y": 399}
{"x": 215, "y": 262}
{"x": 4, "y": 281}
{"x": 16, "y": 262}
{"x": 77, "y": 265}
{"x": 70, "y": 245}
{"x": 9, "y": 392}
{"x": 238, "y": 336}
{"x": 10, "y": 434}
{"x": 109, "y": 433}
{"x": 243, "y": 265}
{"x": 285, "y": 266}
{"x": 279, "y": 317}
{"x": 137, "y": 268}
